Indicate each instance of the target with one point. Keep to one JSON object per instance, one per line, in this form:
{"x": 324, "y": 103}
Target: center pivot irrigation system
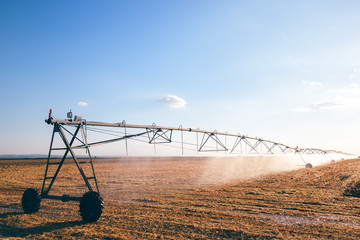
{"x": 73, "y": 134}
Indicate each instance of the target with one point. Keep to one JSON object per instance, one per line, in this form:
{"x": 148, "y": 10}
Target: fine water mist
{"x": 130, "y": 178}
{"x": 220, "y": 170}
{"x": 229, "y": 169}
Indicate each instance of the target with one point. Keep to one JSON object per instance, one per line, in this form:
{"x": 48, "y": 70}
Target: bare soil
{"x": 186, "y": 198}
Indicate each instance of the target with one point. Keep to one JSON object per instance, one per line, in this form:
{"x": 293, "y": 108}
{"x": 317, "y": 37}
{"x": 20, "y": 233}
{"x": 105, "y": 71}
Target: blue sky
{"x": 282, "y": 70}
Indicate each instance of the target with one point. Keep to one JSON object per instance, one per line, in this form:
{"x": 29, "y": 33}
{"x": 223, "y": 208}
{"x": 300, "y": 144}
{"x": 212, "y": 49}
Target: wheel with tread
{"x": 91, "y": 205}
{"x": 30, "y": 200}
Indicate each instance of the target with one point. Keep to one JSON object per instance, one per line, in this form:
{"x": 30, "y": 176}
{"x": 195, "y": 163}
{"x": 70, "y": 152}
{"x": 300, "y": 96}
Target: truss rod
{"x": 153, "y": 127}
{"x": 102, "y": 124}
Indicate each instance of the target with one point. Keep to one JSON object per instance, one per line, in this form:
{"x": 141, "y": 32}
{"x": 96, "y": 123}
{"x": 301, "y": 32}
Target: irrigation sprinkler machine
{"x": 73, "y": 136}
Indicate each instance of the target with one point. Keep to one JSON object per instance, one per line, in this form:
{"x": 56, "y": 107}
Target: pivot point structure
{"x": 91, "y": 203}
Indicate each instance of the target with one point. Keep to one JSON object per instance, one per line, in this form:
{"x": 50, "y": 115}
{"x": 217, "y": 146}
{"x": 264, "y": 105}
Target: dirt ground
{"x": 186, "y": 198}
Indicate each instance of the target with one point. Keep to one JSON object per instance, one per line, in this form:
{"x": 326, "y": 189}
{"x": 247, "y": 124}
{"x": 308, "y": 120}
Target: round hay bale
{"x": 308, "y": 165}
{"x": 352, "y": 189}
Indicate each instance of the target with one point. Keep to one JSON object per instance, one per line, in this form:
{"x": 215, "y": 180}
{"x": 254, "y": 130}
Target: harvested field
{"x": 193, "y": 198}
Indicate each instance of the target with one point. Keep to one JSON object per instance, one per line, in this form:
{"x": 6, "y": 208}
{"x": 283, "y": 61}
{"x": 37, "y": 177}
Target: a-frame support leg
{"x": 58, "y": 128}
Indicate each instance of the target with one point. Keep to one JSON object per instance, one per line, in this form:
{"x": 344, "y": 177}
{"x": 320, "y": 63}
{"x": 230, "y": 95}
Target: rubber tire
{"x": 30, "y": 201}
{"x": 91, "y": 205}
{"x": 308, "y": 165}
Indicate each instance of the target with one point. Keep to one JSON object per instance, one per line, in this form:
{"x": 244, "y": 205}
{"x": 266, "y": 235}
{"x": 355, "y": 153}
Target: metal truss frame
{"x": 214, "y": 137}
{"x": 60, "y": 130}
{"x": 160, "y": 134}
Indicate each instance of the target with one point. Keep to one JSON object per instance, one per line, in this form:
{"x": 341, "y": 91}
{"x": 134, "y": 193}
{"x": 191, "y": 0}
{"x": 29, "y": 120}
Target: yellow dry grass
{"x": 170, "y": 199}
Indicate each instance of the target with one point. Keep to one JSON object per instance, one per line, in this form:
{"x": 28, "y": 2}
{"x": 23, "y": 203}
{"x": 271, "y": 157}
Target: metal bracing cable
{"x": 284, "y": 148}
{"x": 111, "y": 132}
{"x": 169, "y": 146}
{"x": 166, "y": 145}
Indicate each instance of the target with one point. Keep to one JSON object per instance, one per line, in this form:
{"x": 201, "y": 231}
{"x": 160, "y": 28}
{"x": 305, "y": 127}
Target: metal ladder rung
{"x": 56, "y": 149}
{"x": 90, "y": 178}
{"x": 49, "y": 177}
{"x": 54, "y": 163}
{"x": 82, "y": 162}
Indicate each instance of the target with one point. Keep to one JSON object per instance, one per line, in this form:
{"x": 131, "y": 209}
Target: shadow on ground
{"x": 13, "y": 231}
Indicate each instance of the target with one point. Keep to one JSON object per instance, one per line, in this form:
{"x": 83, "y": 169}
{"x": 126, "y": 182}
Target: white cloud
{"x": 173, "y": 101}
{"x": 82, "y": 104}
{"x": 328, "y": 104}
{"x": 346, "y": 97}
{"x": 323, "y": 105}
